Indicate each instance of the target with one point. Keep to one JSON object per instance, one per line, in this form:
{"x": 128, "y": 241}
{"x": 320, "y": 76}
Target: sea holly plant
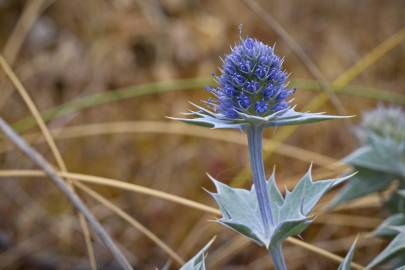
{"x": 380, "y": 160}
{"x": 252, "y": 94}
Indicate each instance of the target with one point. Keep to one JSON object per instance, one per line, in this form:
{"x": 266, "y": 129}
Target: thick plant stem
{"x": 255, "y": 144}
{"x": 255, "y": 141}
{"x": 278, "y": 257}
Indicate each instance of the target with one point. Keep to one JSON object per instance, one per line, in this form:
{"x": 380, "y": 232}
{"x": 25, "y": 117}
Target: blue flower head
{"x": 251, "y": 91}
{"x": 251, "y": 82}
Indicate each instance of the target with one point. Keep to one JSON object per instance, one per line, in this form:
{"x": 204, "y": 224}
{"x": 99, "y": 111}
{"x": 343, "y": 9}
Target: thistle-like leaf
{"x": 363, "y": 183}
{"x": 386, "y": 228}
{"x": 198, "y": 261}
{"x": 286, "y": 117}
{"x": 382, "y": 154}
{"x": 395, "y": 247}
{"x": 381, "y": 159}
{"x": 240, "y": 211}
{"x": 395, "y": 263}
{"x": 346, "y": 264}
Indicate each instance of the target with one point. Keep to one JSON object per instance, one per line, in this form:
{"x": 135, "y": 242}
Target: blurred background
{"x": 105, "y": 74}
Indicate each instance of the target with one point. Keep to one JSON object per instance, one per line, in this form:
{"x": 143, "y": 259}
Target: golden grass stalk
{"x": 162, "y": 195}
{"x": 175, "y": 128}
{"x": 54, "y": 149}
{"x": 48, "y": 169}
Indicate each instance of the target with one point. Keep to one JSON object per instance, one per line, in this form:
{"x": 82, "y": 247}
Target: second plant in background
{"x": 380, "y": 162}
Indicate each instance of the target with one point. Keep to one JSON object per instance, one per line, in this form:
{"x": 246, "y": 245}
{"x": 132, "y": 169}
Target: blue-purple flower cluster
{"x": 252, "y": 82}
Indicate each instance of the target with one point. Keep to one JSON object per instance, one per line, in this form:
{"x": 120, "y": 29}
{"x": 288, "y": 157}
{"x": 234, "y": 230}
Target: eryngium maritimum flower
{"x": 252, "y": 82}
{"x": 252, "y": 91}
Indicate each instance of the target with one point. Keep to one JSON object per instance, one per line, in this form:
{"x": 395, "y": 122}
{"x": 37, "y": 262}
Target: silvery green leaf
{"x": 385, "y": 228}
{"x": 346, "y": 264}
{"x": 292, "y": 117}
{"x": 288, "y": 228}
{"x": 396, "y": 202}
{"x": 289, "y": 116}
{"x": 395, "y": 247}
{"x": 382, "y": 154}
{"x": 396, "y": 262}
{"x": 363, "y": 183}
{"x": 379, "y": 163}
{"x": 198, "y": 261}
{"x": 240, "y": 211}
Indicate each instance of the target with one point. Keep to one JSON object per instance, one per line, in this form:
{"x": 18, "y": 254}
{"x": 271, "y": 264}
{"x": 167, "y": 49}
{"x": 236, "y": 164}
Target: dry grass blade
{"x": 115, "y": 209}
{"x": 131, "y": 221}
{"x": 30, "y": 14}
{"x": 158, "y": 194}
{"x": 81, "y": 103}
{"x": 55, "y": 151}
{"x": 27, "y": 19}
{"x": 365, "y": 62}
{"x": 329, "y": 255}
{"x": 69, "y": 193}
{"x": 117, "y": 184}
{"x": 181, "y": 129}
{"x": 228, "y": 251}
{"x": 349, "y": 220}
{"x": 58, "y": 157}
{"x": 369, "y": 201}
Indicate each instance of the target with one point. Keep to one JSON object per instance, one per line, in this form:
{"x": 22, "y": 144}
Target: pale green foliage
{"x": 362, "y": 184}
{"x": 198, "y": 261}
{"x": 393, "y": 226}
{"x": 386, "y": 228}
{"x": 395, "y": 247}
{"x": 378, "y": 165}
{"x": 240, "y": 210}
{"x": 380, "y": 162}
{"x": 346, "y": 264}
{"x": 382, "y": 154}
{"x": 207, "y": 118}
